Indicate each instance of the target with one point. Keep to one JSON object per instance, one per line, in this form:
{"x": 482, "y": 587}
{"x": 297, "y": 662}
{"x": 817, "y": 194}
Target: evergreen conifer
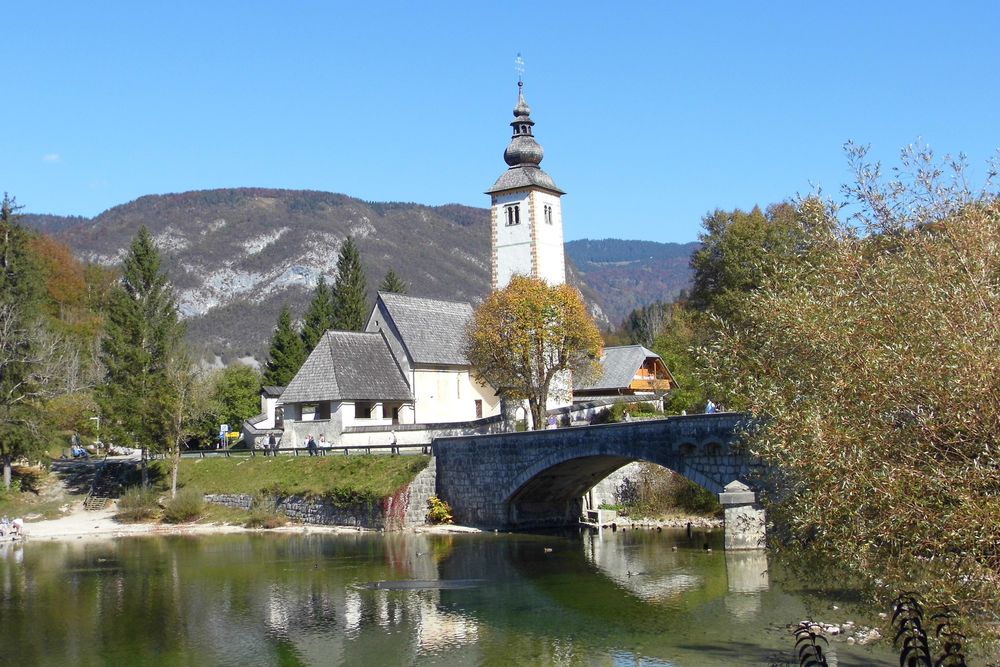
{"x": 393, "y": 283}
{"x": 286, "y": 354}
{"x": 319, "y": 316}
{"x": 350, "y": 298}
{"x": 142, "y": 335}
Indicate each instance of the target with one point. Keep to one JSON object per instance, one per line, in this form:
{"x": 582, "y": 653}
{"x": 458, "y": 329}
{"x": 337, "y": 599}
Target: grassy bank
{"x": 341, "y": 479}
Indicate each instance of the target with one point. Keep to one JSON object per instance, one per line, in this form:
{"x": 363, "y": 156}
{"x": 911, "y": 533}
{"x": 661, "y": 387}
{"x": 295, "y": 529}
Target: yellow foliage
{"x": 524, "y": 335}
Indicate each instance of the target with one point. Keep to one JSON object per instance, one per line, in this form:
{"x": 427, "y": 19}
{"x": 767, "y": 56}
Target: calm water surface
{"x": 625, "y": 598}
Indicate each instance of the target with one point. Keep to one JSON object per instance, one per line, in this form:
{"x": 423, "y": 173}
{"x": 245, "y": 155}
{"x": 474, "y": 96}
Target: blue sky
{"x": 651, "y": 114}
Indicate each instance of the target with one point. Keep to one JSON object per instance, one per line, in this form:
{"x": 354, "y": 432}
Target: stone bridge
{"x": 537, "y": 479}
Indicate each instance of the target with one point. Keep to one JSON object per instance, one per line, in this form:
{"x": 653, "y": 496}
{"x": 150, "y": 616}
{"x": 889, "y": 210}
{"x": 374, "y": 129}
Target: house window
{"x": 513, "y": 215}
{"x": 548, "y": 214}
{"x": 479, "y": 409}
{"x": 363, "y": 409}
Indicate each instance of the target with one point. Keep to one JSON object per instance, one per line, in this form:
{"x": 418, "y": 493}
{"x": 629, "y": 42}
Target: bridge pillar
{"x": 745, "y": 519}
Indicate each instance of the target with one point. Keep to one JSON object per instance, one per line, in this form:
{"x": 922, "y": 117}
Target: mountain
{"x": 236, "y": 255}
{"x": 632, "y": 274}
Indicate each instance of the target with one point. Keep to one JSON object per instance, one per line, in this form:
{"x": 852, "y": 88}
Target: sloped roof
{"x": 432, "y": 331}
{"x": 524, "y": 176}
{"x": 348, "y": 365}
{"x": 618, "y": 365}
{"x": 271, "y": 391}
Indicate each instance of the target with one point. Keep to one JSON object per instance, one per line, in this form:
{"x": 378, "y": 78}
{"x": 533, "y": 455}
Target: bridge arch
{"x": 537, "y": 479}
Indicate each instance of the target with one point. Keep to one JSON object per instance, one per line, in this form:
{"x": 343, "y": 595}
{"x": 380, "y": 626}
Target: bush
{"x": 137, "y": 504}
{"x": 188, "y": 504}
{"x": 616, "y": 412}
{"x": 264, "y": 513}
{"x": 439, "y": 511}
{"x": 697, "y": 500}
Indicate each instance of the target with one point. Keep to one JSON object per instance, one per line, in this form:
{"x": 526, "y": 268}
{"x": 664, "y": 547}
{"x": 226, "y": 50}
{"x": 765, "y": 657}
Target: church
{"x": 406, "y": 378}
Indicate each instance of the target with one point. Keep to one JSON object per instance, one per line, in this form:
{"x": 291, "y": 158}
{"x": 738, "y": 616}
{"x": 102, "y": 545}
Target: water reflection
{"x": 628, "y": 598}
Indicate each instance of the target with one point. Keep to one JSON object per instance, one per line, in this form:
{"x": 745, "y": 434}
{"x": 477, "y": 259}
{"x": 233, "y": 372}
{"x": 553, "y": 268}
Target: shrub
{"x": 188, "y": 504}
{"x": 439, "y": 511}
{"x": 616, "y": 412}
{"x": 264, "y": 513}
{"x": 137, "y": 504}
{"x": 695, "y": 499}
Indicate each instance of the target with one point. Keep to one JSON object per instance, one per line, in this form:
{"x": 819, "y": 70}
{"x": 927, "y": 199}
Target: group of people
{"x": 314, "y": 447}
{"x": 272, "y": 446}
{"x": 13, "y": 528}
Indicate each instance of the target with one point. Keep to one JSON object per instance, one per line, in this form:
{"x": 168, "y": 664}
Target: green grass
{"x": 343, "y": 480}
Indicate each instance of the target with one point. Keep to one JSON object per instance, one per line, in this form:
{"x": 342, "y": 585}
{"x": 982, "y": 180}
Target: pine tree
{"x": 393, "y": 283}
{"x": 350, "y": 298}
{"x": 142, "y": 335}
{"x": 286, "y": 354}
{"x": 319, "y": 316}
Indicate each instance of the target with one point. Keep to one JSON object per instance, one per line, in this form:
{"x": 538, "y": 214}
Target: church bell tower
{"x": 526, "y": 213}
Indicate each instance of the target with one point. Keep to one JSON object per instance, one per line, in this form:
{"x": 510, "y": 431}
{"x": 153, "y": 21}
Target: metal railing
{"x": 335, "y": 450}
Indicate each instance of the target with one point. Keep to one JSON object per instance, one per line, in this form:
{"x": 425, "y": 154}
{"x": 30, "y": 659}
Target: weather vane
{"x": 519, "y": 68}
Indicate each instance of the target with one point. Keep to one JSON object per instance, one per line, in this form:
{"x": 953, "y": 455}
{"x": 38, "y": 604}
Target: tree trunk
{"x": 173, "y": 473}
{"x": 537, "y": 409}
{"x": 6, "y": 471}
{"x": 145, "y": 470}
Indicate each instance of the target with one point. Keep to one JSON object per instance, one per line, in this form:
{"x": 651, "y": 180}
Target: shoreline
{"x": 80, "y": 524}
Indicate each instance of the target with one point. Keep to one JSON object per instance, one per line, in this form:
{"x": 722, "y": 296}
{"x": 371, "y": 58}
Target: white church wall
{"x": 450, "y": 396}
{"x": 513, "y": 242}
{"x": 549, "y": 238}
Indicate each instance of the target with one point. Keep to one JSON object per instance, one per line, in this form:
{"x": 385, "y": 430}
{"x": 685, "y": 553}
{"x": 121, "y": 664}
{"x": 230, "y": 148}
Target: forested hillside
{"x": 236, "y": 255}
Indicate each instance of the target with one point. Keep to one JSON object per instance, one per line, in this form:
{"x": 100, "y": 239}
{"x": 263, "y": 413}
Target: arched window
{"x": 513, "y": 215}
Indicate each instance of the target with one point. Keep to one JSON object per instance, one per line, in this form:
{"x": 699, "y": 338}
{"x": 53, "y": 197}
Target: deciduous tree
{"x": 29, "y": 354}
{"x": 350, "y": 291}
{"x": 874, "y": 366}
{"x": 526, "y": 334}
{"x": 237, "y": 394}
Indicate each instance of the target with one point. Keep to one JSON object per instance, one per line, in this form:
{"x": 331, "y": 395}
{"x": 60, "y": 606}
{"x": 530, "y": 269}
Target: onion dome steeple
{"x": 523, "y": 154}
{"x": 523, "y": 148}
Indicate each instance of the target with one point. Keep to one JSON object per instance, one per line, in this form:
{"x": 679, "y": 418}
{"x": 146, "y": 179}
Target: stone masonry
{"x": 537, "y": 478}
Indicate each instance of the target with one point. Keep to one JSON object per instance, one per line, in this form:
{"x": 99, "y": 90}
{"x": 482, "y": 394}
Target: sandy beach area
{"x": 81, "y": 524}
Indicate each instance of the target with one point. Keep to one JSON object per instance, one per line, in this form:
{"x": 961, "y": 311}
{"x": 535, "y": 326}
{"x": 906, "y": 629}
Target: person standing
{"x": 310, "y": 445}
{"x": 322, "y": 443}
{"x": 272, "y": 444}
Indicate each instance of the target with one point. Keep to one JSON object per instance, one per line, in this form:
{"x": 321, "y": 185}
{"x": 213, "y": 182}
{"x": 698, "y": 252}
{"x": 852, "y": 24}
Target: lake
{"x": 632, "y": 597}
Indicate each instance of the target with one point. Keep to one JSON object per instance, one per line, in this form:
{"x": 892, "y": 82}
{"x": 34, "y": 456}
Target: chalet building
{"x": 627, "y": 370}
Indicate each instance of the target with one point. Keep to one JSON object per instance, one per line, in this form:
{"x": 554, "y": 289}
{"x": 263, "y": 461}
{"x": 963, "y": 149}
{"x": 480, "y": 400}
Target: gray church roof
{"x": 618, "y": 365}
{"x": 432, "y": 331}
{"x": 524, "y": 176}
{"x": 348, "y": 365}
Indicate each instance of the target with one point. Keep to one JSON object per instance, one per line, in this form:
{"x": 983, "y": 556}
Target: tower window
{"x": 513, "y": 215}
{"x": 548, "y": 214}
